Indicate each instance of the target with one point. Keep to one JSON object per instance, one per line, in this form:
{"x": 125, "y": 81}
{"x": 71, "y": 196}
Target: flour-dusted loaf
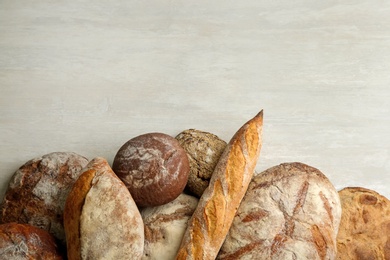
{"x": 27, "y": 242}
{"x": 290, "y": 211}
{"x": 165, "y": 226}
{"x": 214, "y": 214}
{"x": 38, "y": 190}
{"x": 154, "y": 167}
{"x": 101, "y": 219}
{"x": 365, "y": 225}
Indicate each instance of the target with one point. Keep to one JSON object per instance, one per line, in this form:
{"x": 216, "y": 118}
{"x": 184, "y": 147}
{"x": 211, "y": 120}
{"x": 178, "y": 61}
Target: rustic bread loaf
{"x": 204, "y": 150}
{"x": 165, "y": 226}
{"x": 101, "y": 219}
{"x": 26, "y": 242}
{"x": 214, "y": 214}
{"x": 37, "y": 191}
{"x": 290, "y": 211}
{"x": 154, "y": 167}
{"x": 365, "y": 225}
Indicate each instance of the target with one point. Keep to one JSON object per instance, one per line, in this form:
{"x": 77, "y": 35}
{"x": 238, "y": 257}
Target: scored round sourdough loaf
{"x": 101, "y": 219}
{"x": 290, "y": 211}
{"x": 364, "y": 231}
{"x": 38, "y": 190}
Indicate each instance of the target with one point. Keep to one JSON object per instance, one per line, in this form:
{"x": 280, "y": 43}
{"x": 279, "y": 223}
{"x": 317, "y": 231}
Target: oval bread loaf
{"x": 214, "y": 214}
{"x": 101, "y": 219}
{"x": 290, "y": 211}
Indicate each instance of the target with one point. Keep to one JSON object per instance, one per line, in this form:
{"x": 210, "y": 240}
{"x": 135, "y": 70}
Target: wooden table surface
{"x": 86, "y": 76}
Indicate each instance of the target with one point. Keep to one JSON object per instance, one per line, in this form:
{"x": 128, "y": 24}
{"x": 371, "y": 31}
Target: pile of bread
{"x": 192, "y": 196}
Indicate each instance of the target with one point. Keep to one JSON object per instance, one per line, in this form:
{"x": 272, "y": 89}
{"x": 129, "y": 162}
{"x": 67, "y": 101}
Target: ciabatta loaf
{"x": 101, "y": 219}
{"x": 214, "y": 214}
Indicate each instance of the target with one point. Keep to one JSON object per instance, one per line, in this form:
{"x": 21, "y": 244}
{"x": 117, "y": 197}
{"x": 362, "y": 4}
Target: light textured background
{"x": 86, "y": 76}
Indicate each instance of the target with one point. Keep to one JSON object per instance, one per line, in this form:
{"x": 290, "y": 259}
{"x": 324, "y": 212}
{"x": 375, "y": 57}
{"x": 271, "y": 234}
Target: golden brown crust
{"x": 217, "y": 206}
{"x": 72, "y": 212}
{"x": 24, "y": 241}
{"x": 365, "y": 225}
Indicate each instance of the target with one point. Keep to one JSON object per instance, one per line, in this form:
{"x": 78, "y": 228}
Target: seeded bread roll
{"x": 101, "y": 219}
{"x": 215, "y": 211}
{"x": 165, "y": 226}
{"x": 365, "y": 225}
{"x": 204, "y": 150}
{"x": 38, "y": 190}
{"x": 290, "y": 211}
{"x": 154, "y": 167}
{"x": 26, "y": 242}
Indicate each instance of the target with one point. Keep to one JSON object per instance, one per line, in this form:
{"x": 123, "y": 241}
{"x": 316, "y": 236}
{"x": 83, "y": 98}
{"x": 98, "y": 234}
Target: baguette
{"x": 217, "y": 207}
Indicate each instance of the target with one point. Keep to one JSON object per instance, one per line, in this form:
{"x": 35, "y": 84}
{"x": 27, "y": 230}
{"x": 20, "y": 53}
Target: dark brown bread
{"x": 290, "y": 211}
{"x": 365, "y": 225}
{"x": 26, "y": 242}
{"x": 37, "y": 191}
{"x": 101, "y": 219}
{"x": 214, "y": 214}
{"x": 154, "y": 167}
{"x": 204, "y": 150}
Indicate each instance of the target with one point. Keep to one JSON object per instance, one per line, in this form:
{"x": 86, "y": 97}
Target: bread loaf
{"x": 365, "y": 225}
{"x": 38, "y": 190}
{"x": 154, "y": 167}
{"x": 165, "y": 226}
{"x": 204, "y": 150}
{"x": 290, "y": 211}
{"x": 214, "y": 214}
{"x": 26, "y": 242}
{"x": 101, "y": 219}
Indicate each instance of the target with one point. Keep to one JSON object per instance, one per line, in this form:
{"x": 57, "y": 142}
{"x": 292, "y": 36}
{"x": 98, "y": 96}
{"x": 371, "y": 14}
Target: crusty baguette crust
{"x": 214, "y": 214}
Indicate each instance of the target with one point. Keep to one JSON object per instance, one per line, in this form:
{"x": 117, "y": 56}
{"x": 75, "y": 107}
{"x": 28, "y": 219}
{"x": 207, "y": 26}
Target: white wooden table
{"x": 86, "y": 76}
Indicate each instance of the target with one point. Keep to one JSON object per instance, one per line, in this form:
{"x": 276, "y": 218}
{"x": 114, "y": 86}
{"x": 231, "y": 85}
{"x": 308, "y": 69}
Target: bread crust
{"x": 38, "y": 190}
{"x": 290, "y": 211}
{"x": 101, "y": 219}
{"x": 24, "y": 242}
{"x": 214, "y": 214}
{"x": 365, "y": 225}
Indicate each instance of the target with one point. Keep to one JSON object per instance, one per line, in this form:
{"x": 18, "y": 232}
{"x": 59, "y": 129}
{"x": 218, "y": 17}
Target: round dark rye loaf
{"x": 37, "y": 191}
{"x": 290, "y": 211}
{"x": 154, "y": 167}
{"x": 364, "y": 231}
{"x": 25, "y": 242}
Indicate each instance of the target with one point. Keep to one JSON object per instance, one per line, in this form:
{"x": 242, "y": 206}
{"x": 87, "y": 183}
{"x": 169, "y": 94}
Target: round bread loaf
{"x": 204, "y": 150}
{"x": 165, "y": 226}
{"x": 25, "y": 242}
{"x": 290, "y": 211}
{"x": 154, "y": 167}
{"x": 364, "y": 231}
{"x": 38, "y": 190}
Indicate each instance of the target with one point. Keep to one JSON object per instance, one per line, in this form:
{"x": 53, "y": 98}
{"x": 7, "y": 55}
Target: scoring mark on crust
{"x": 289, "y": 224}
